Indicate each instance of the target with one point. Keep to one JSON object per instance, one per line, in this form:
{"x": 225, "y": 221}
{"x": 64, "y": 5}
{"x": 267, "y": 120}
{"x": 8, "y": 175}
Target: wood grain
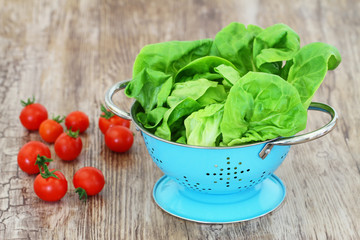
{"x": 68, "y": 53}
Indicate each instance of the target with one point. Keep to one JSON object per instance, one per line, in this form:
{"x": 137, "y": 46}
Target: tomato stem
{"x": 82, "y": 194}
{"x": 44, "y": 170}
{"x": 106, "y": 113}
{"x": 73, "y": 134}
{"x": 28, "y": 102}
{"x": 58, "y": 119}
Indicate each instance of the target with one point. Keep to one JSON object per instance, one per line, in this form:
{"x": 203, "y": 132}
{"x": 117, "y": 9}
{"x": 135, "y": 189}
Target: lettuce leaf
{"x": 155, "y": 67}
{"x": 309, "y": 68}
{"x": 173, "y": 120}
{"x": 274, "y": 45}
{"x": 235, "y": 43}
{"x": 261, "y": 106}
{"x": 205, "y": 91}
{"x": 202, "y": 68}
{"x": 228, "y": 73}
{"x": 153, "y": 118}
{"x": 150, "y": 88}
{"x": 203, "y": 126}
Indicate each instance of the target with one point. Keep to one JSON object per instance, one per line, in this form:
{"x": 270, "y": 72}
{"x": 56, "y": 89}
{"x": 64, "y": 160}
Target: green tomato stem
{"x": 28, "y": 102}
{"x": 107, "y": 114}
{"x": 58, "y": 119}
{"x": 73, "y": 134}
{"x": 44, "y": 170}
{"x": 82, "y": 194}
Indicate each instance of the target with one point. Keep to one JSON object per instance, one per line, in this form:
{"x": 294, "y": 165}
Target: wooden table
{"x": 68, "y": 53}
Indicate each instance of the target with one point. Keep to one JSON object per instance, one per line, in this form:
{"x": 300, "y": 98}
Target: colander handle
{"x": 111, "y": 105}
{"x": 307, "y": 136}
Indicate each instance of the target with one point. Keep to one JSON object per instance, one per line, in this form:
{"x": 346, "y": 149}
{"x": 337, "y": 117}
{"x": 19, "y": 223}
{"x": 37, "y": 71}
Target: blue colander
{"x": 218, "y": 184}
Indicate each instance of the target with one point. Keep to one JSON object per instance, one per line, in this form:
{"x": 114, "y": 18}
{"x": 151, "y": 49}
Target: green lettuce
{"x": 155, "y": 67}
{"x": 203, "y": 126}
{"x": 309, "y": 68}
{"x": 202, "y": 68}
{"x": 203, "y": 90}
{"x": 235, "y": 43}
{"x": 274, "y": 45}
{"x": 153, "y": 118}
{"x": 248, "y": 84}
{"x": 261, "y": 106}
{"x": 228, "y": 73}
{"x": 151, "y": 88}
{"x": 173, "y": 119}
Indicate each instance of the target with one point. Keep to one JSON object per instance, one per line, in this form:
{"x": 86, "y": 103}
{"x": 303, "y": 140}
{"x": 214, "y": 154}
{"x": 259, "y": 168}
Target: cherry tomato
{"x": 33, "y": 114}
{"x": 77, "y": 121}
{"x": 119, "y": 138}
{"x": 68, "y": 145}
{"x": 49, "y": 185}
{"x": 51, "y": 189}
{"x": 88, "y": 181}
{"x": 28, "y": 153}
{"x": 108, "y": 119}
{"x": 51, "y": 129}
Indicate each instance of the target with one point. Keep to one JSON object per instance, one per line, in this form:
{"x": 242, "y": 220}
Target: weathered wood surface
{"x": 68, "y": 53}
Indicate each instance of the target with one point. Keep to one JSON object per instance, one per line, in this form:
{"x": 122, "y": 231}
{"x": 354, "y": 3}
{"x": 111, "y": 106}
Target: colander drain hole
{"x": 230, "y": 172}
{"x": 185, "y": 182}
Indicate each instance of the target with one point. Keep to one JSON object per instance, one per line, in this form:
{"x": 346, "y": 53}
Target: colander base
{"x": 215, "y": 208}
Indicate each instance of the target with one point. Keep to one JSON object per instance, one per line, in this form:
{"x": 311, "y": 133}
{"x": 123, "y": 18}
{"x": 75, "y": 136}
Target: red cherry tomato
{"x": 51, "y": 129}
{"x": 51, "y": 189}
{"x": 28, "y": 153}
{"x": 108, "y": 119}
{"x": 68, "y": 145}
{"x": 77, "y": 121}
{"x": 88, "y": 181}
{"x": 32, "y": 115}
{"x": 119, "y": 138}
